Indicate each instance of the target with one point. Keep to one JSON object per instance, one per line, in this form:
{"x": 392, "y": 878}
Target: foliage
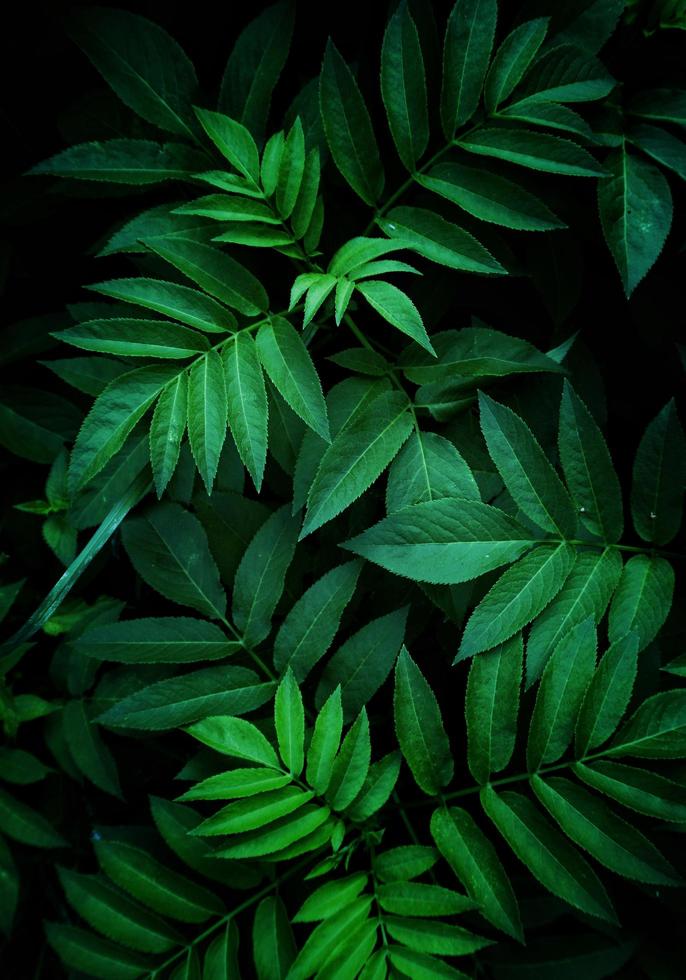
{"x": 308, "y": 495}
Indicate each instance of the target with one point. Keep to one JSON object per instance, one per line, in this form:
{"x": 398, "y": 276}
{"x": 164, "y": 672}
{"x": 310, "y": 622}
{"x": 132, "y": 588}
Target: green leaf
{"x": 519, "y": 596}
{"x": 259, "y": 579}
{"x": 24, "y": 824}
{"x": 234, "y": 141}
{"x": 638, "y": 789}
{"x": 666, "y": 149}
{"x": 254, "y": 812}
{"x": 397, "y": 308}
{"x": 236, "y": 784}
{"x": 167, "y": 430}
{"x": 419, "y": 727}
{"x": 309, "y": 628}
{"x": 525, "y": 469}
{"x": 360, "y": 251}
{"x": 207, "y": 414}
{"x": 613, "y": 842}
{"x": 566, "y": 74}
{"x": 428, "y": 467}
{"x": 663, "y": 104}
{"x": 439, "y": 240}
{"x": 235, "y": 737}
{"x": 88, "y": 750}
{"x": 289, "y": 718}
{"x": 537, "y": 151}
{"x": 561, "y": 691}
{"x": 191, "y": 697}
{"x": 169, "y": 550}
{"x": 491, "y": 708}
{"x": 254, "y": 66}
{"x": 421, "y": 966}
{"x": 127, "y": 337}
{"x": 635, "y": 206}
{"x": 221, "y": 956}
{"x": 112, "y": 417}
{"x": 474, "y": 861}
{"x": 330, "y": 897}
{"x": 274, "y": 947}
{"x": 287, "y": 362}
{"x": 278, "y": 836}
{"x": 348, "y": 128}
{"x": 167, "y": 640}
{"x": 466, "y": 53}
{"x": 512, "y": 59}
{"x": 588, "y": 468}
{"x": 124, "y": 161}
{"x": 586, "y": 592}
{"x": 434, "y": 937}
{"x": 114, "y": 914}
{"x": 608, "y": 695}
{"x": 656, "y": 730}
{"x": 551, "y": 116}
{"x": 659, "y": 476}
{"x": 230, "y": 207}
{"x": 415, "y": 899}
{"x": 158, "y": 223}
{"x": 174, "y": 821}
{"x": 642, "y": 600}
{"x": 324, "y": 743}
{"x": 403, "y": 87}
{"x": 351, "y": 765}
{"x": 362, "y": 664}
{"x": 377, "y": 787}
{"x": 475, "y": 352}
{"x": 164, "y": 891}
{"x": 404, "y": 863}
{"x": 327, "y": 936}
{"x": 490, "y": 197}
{"x": 215, "y": 272}
{"x": 306, "y": 202}
{"x": 443, "y": 541}
{"x": 247, "y": 403}
{"x": 357, "y": 457}
{"x": 22, "y": 768}
{"x": 80, "y": 950}
{"x": 546, "y": 853}
{"x": 172, "y": 300}
{"x": 291, "y": 170}
{"x": 145, "y": 66}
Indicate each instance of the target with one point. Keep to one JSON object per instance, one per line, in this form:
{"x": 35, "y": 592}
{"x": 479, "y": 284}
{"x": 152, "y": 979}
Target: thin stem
{"x": 228, "y": 625}
{"x": 506, "y": 780}
{"x": 272, "y": 886}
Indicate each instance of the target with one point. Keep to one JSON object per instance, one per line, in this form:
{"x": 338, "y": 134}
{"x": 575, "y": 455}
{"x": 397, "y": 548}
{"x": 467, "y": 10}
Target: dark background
{"x": 48, "y": 237}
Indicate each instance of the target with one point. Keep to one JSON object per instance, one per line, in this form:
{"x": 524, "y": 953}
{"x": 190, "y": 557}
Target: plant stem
{"x": 272, "y": 886}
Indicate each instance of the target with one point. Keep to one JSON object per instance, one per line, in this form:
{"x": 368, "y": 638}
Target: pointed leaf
{"x": 546, "y": 853}
{"x": 443, "y": 541}
{"x": 659, "y": 476}
{"x": 525, "y": 469}
{"x": 348, "y": 128}
{"x": 357, "y": 457}
{"x": 635, "y": 207}
{"x": 608, "y": 695}
{"x": 466, "y": 53}
{"x": 403, "y": 87}
{"x": 289, "y": 365}
{"x": 474, "y": 861}
{"x": 512, "y": 59}
{"x": 419, "y": 727}
{"x": 491, "y": 708}
{"x": 519, "y": 595}
{"x": 169, "y": 550}
{"x": 642, "y": 600}
{"x": 259, "y": 579}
